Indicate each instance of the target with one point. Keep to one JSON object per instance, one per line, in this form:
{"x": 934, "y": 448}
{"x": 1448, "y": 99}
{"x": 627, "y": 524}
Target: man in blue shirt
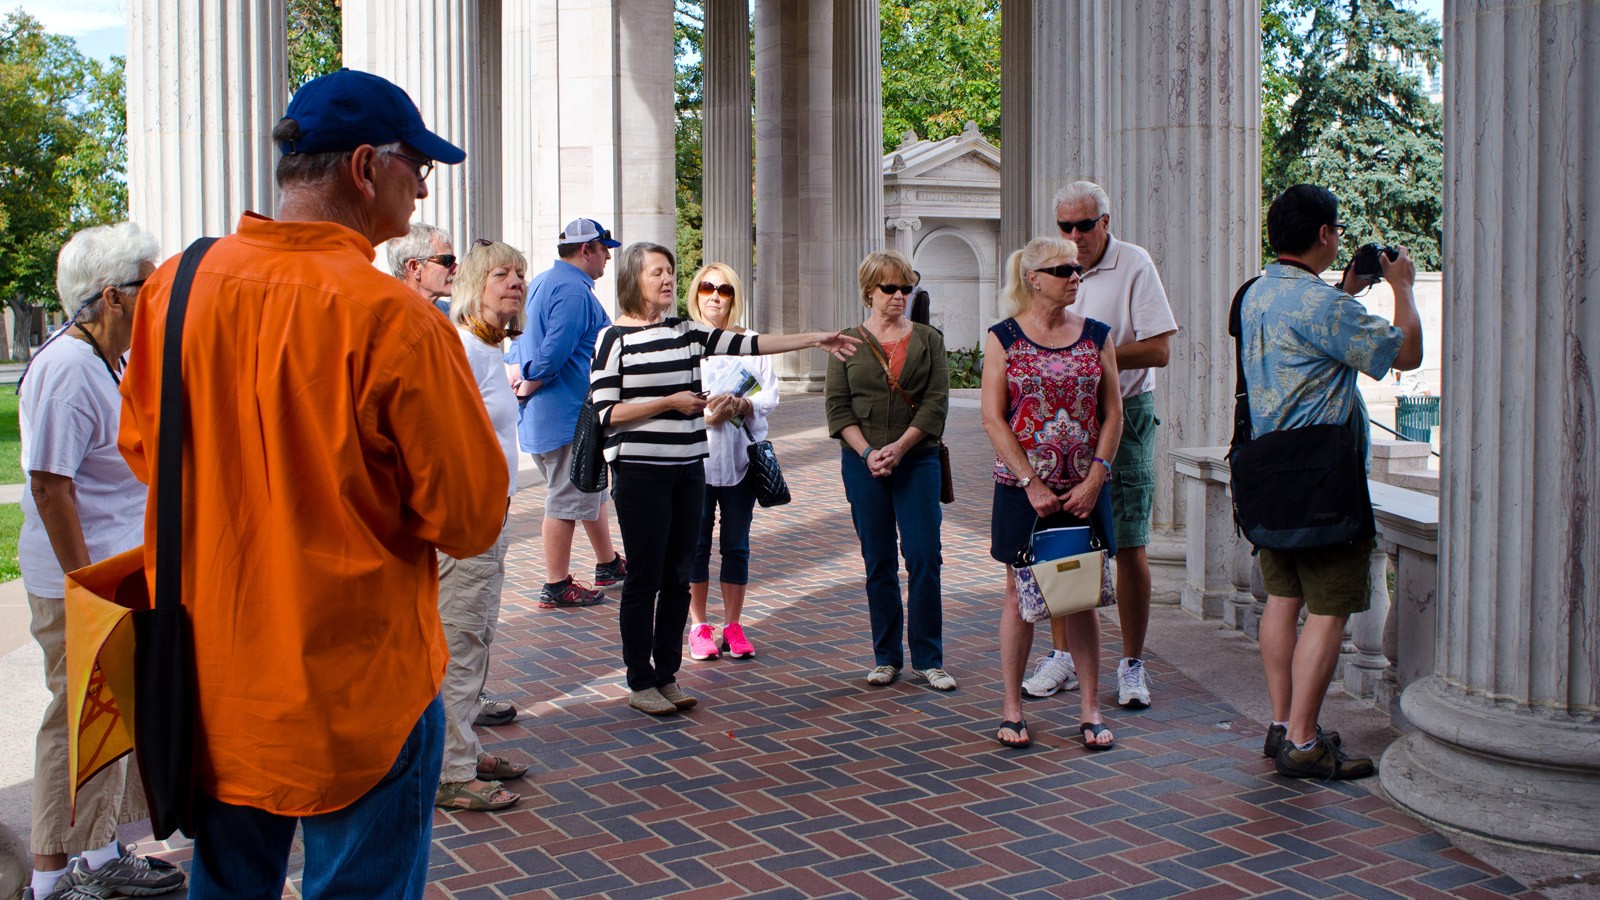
{"x": 1303, "y": 342}
{"x": 553, "y": 357}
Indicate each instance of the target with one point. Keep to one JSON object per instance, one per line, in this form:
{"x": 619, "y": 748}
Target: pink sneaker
{"x": 734, "y": 643}
{"x": 701, "y": 645}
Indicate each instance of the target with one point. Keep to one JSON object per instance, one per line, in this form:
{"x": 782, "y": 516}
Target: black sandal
{"x": 1020, "y": 727}
{"x": 1094, "y": 730}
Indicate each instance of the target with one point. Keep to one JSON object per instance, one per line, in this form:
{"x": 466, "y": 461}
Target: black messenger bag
{"x": 1298, "y": 488}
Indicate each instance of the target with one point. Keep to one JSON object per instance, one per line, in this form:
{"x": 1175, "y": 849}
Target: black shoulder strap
{"x": 169, "y": 452}
{"x": 1241, "y": 394}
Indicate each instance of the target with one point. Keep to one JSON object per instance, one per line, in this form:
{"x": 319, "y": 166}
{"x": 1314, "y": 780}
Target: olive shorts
{"x": 1333, "y": 581}
{"x": 1133, "y": 477}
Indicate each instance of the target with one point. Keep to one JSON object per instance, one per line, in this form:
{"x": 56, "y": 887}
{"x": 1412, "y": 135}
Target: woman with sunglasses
{"x": 1052, "y": 409}
{"x": 486, "y": 308}
{"x": 649, "y": 398}
{"x": 734, "y": 420}
{"x": 83, "y": 504}
{"x": 887, "y": 409}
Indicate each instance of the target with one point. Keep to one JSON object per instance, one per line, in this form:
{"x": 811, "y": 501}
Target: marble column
{"x": 642, "y": 119}
{"x": 794, "y": 177}
{"x": 1183, "y": 169}
{"x": 522, "y": 103}
{"x": 1056, "y": 102}
{"x": 727, "y": 153}
{"x": 435, "y": 50}
{"x": 207, "y": 82}
{"x": 1508, "y": 726}
{"x": 858, "y": 224}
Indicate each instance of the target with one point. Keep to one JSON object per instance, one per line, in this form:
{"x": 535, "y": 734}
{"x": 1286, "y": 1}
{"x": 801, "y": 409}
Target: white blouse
{"x": 727, "y": 462}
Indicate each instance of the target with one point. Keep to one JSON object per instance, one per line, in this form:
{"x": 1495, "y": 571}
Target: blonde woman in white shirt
{"x": 733, "y": 423}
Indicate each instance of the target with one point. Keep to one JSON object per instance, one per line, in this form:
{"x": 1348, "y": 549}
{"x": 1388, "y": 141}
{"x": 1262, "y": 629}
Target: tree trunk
{"x": 21, "y": 327}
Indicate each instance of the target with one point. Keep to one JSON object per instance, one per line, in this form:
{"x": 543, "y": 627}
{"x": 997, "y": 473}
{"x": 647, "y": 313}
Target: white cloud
{"x": 72, "y": 17}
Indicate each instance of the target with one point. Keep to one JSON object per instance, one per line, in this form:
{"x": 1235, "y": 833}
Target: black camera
{"x": 1365, "y": 262}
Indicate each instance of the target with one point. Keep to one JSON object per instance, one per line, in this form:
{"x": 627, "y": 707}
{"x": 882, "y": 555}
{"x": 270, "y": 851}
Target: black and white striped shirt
{"x": 639, "y": 363}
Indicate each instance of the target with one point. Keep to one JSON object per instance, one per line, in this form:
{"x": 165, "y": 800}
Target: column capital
{"x": 903, "y": 223}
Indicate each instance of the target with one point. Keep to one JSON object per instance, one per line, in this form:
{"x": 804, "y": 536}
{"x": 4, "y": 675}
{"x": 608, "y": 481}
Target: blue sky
{"x": 99, "y": 26}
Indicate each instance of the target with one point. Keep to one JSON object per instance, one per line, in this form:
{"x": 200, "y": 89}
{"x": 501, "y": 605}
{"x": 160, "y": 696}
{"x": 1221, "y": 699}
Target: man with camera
{"x": 1302, "y": 342}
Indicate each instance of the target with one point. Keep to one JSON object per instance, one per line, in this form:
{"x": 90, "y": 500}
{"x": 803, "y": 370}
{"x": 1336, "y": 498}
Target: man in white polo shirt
{"x": 1122, "y": 289}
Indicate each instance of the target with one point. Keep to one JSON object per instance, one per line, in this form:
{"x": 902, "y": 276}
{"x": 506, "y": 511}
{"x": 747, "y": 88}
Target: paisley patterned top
{"x": 1053, "y": 402}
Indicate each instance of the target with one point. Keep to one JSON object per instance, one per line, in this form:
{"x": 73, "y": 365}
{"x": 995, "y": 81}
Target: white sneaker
{"x": 1053, "y": 673}
{"x": 938, "y": 679}
{"x": 1133, "y": 684}
{"x": 882, "y": 675}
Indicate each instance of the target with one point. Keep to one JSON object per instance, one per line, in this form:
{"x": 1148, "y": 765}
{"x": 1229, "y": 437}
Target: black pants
{"x": 658, "y": 511}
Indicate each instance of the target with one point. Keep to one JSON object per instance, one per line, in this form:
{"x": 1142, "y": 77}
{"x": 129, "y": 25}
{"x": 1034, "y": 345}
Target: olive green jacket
{"x": 858, "y": 390}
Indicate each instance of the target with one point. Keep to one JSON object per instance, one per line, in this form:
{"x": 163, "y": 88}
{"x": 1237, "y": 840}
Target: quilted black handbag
{"x": 588, "y": 471}
{"x": 771, "y": 489}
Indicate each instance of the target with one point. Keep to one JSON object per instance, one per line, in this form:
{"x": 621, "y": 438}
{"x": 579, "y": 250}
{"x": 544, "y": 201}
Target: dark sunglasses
{"x": 448, "y": 260}
{"x": 1065, "y": 270}
{"x": 1085, "y": 226}
{"x": 905, "y": 289}
{"x": 724, "y": 290}
{"x": 424, "y": 166}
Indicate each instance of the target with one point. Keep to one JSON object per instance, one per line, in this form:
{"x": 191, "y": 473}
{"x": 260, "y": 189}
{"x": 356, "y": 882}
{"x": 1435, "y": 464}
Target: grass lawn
{"x": 10, "y": 528}
{"x": 10, "y": 440}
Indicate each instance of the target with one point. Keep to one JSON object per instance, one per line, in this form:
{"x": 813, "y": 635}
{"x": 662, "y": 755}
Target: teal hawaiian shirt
{"x": 1304, "y": 341}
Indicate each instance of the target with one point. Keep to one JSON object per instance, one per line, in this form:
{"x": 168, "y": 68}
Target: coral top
{"x": 335, "y": 438}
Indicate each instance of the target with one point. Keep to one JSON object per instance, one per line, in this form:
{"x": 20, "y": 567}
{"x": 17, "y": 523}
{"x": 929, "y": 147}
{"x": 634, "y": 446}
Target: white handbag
{"x": 1061, "y": 586}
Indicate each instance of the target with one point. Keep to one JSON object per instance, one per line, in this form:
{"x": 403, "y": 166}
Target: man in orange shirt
{"x": 334, "y": 443}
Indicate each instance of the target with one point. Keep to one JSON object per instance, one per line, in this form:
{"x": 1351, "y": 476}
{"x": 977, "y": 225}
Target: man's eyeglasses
{"x": 1085, "y": 226}
{"x": 424, "y": 166}
{"x": 448, "y": 260}
{"x": 890, "y": 289}
{"x": 1338, "y": 229}
{"x": 723, "y": 290}
{"x": 1065, "y": 270}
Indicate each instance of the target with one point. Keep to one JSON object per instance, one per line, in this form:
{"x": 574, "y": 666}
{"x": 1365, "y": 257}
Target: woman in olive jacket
{"x": 887, "y": 408}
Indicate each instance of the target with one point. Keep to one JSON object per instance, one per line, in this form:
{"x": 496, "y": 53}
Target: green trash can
{"x": 1416, "y": 417}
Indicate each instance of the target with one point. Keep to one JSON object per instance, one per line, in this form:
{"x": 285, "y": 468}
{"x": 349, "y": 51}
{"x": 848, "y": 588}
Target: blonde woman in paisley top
{"x": 1052, "y": 409}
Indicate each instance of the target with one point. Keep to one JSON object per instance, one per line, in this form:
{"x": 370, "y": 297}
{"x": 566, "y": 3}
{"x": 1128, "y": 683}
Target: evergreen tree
{"x": 1340, "y": 108}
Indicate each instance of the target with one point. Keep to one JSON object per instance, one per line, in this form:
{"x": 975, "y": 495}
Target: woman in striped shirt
{"x": 647, "y": 392}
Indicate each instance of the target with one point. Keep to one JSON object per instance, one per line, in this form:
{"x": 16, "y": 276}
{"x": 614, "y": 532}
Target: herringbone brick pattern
{"x": 794, "y": 779}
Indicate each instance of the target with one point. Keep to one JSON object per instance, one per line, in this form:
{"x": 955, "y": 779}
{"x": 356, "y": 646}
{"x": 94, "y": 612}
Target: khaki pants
{"x": 101, "y": 806}
{"x": 469, "y": 609}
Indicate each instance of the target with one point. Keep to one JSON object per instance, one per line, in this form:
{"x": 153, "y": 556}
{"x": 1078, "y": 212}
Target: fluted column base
{"x": 1502, "y": 772}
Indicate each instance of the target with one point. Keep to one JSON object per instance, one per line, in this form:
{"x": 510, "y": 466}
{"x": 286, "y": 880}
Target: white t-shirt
{"x": 1124, "y": 291}
{"x": 489, "y": 368}
{"x": 727, "y": 460}
{"x": 69, "y": 411}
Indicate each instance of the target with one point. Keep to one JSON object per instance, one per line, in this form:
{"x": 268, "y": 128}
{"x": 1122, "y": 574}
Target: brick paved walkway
{"x": 794, "y": 779}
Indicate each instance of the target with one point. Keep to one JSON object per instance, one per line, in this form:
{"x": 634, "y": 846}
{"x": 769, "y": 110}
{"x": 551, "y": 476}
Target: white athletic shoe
{"x": 1052, "y": 673}
{"x": 1133, "y": 684}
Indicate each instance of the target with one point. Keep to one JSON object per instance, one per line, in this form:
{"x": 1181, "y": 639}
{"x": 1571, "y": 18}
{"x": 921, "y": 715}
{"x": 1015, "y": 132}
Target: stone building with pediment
{"x": 941, "y": 207}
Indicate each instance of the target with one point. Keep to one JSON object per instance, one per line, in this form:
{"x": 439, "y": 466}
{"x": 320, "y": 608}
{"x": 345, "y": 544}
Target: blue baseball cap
{"x": 345, "y": 109}
{"x": 582, "y": 231}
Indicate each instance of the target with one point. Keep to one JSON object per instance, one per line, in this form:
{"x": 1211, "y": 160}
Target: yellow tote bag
{"x": 100, "y": 602}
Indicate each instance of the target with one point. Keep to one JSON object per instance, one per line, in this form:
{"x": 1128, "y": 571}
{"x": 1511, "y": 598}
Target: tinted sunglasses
{"x": 1085, "y": 226}
{"x": 448, "y": 260}
{"x": 1065, "y": 270}
{"x": 723, "y": 290}
{"x": 905, "y": 289}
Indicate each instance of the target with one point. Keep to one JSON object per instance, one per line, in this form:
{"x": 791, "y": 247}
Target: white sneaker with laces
{"x": 938, "y": 679}
{"x": 1133, "y": 684}
{"x": 1054, "y": 672}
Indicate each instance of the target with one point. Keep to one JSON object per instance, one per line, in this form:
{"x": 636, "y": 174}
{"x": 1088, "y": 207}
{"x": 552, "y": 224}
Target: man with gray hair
{"x": 424, "y": 260}
{"x": 1122, "y": 289}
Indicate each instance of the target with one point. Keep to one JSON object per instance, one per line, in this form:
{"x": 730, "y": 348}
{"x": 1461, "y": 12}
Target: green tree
{"x": 688, "y": 32}
{"x": 1341, "y": 108}
{"x": 941, "y": 67}
{"x": 316, "y": 39}
{"x": 62, "y": 157}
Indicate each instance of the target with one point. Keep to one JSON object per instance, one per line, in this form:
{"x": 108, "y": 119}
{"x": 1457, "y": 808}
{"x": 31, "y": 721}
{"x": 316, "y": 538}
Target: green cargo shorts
{"x": 1334, "y": 581}
{"x": 1133, "y": 476}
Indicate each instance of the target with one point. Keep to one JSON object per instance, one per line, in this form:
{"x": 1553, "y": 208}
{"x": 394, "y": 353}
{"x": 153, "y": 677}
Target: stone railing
{"x": 1388, "y": 646}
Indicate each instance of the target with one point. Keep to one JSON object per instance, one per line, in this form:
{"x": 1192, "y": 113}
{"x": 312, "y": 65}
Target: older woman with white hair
{"x": 83, "y": 504}
{"x": 486, "y": 307}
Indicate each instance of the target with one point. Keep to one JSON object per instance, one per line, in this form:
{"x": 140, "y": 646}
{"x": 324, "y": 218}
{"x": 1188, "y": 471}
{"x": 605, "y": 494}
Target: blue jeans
{"x": 907, "y": 499}
{"x": 738, "y": 503}
{"x": 375, "y": 847}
